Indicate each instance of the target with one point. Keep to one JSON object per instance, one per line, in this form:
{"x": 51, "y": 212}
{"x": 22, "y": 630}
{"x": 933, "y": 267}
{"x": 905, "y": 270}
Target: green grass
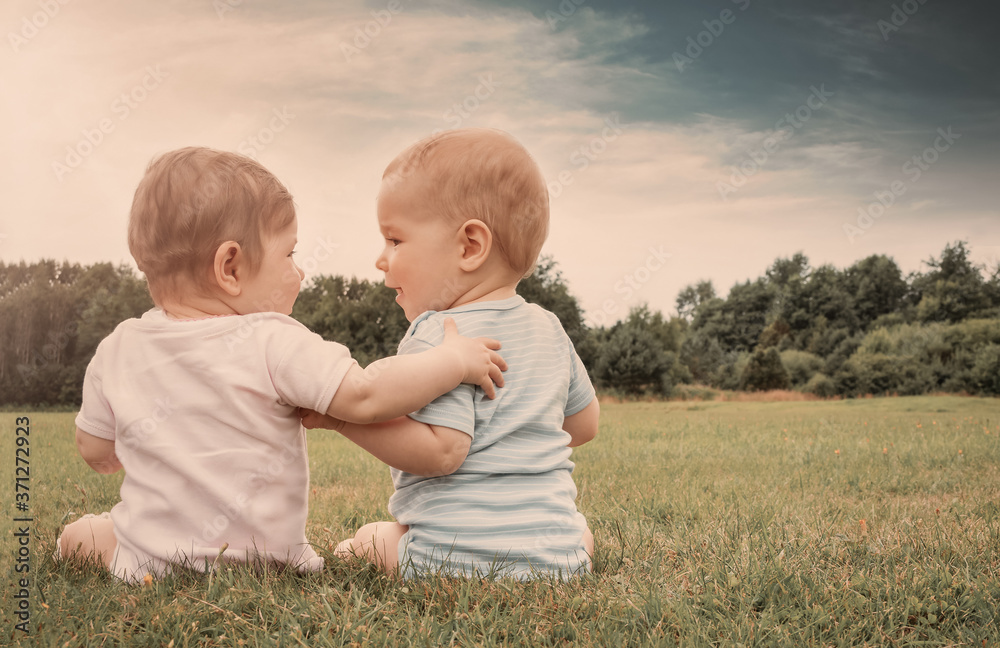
{"x": 717, "y": 523}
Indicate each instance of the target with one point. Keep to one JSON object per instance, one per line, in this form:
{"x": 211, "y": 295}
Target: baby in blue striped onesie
{"x": 483, "y": 487}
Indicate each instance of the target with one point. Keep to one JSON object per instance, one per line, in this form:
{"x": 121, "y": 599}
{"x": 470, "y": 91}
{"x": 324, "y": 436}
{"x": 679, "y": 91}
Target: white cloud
{"x": 652, "y": 185}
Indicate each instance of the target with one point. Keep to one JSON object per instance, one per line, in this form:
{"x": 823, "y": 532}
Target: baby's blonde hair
{"x": 485, "y": 174}
{"x": 192, "y": 200}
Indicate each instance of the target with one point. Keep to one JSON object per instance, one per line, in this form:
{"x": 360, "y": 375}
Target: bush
{"x": 889, "y": 320}
{"x": 840, "y": 354}
{"x": 846, "y": 382}
{"x": 986, "y": 372}
{"x": 678, "y": 373}
{"x": 702, "y": 355}
{"x": 913, "y": 340}
{"x": 881, "y": 373}
{"x": 823, "y": 340}
{"x": 820, "y": 385}
{"x": 876, "y": 372}
{"x": 729, "y": 374}
{"x": 914, "y": 377}
{"x": 801, "y": 366}
{"x": 633, "y": 361}
{"x": 878, "y": 341}
{"x": 911, "y": 359}
{"x": 972, "y": 334}
{"x": 764, "y": 371}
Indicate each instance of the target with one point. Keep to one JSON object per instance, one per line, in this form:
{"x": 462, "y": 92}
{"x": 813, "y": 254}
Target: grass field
{"x": 843, "y": 523}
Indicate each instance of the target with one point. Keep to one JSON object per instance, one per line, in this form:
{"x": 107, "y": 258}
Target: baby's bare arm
{"x": 97, "y": 452}
{"x": 404, "y": 444}
{"x": 402, "y": 384}
{"x": 582, "y": 426}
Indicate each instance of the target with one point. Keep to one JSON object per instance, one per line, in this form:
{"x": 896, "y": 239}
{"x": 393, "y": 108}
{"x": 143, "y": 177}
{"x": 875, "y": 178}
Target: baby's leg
{"x": 90, "y": 535}
{"x": 377, "y": 543}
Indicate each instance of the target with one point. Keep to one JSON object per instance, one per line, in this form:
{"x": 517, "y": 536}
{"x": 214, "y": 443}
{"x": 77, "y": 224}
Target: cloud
{"x": 355, "y": 86}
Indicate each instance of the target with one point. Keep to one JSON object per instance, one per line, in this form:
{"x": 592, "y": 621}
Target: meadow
{"x": 817, "y": 523}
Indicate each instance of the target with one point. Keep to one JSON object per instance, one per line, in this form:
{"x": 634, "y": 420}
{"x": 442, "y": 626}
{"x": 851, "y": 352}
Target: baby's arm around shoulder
{"x": 404, "y": 444}
{"x": 582, "y": 426}
{"x": 401, "y": 384}
{"x": 97, "y": 452}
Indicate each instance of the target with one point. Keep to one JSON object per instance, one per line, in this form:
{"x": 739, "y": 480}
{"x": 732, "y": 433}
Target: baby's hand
{"x": 482, "y": 365}
{"x": 311, "y": 420}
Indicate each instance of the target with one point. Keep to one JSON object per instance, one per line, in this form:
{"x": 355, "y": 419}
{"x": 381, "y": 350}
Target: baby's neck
{"x": 492, "y": 281}
{"x": 194, "y": 308}
{"x": 498, "y": 293}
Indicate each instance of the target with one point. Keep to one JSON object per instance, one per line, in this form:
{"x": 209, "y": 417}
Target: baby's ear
{"x": 477, "y": 243}
{"x": 229, "y": 267}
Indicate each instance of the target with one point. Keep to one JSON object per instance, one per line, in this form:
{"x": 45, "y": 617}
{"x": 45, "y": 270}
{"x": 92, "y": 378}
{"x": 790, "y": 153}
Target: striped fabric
{"x": 510, "y": 509}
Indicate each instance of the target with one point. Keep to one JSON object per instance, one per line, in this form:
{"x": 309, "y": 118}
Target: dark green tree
{"x": 985, "y": 373}
{"x": 824, "y": 294}
{"x": 953, "y": 289}
{"x": 693, "y": 296}
{"x": 764, "y": 371}
{"x": 786, "y": 271}
{"x": 360, "y": 314}
{"x": 878, "y": 288}
{"x": 737, "y": 321}
{"x": 52, "y": 316}
{"x": 114, "y": 294}
{"x": 702, "y": 355}
{"x": 633, "y": 361}
{"x": 993, "y": 287}
{"x": 669, "y": 332}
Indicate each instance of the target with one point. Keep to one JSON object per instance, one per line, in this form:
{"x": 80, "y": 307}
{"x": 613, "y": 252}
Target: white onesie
{"x": 203, "y": 416}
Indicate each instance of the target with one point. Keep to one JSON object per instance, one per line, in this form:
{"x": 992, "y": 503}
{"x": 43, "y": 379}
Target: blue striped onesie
{"x": 510, "y": 509}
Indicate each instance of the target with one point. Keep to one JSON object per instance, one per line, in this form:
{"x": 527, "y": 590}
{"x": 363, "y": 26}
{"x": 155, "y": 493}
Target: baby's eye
{"x": 292, "y": 253}
{"x": 394, "y": 242}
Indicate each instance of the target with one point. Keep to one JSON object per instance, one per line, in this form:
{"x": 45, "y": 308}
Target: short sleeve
{"x": 581, "y": 391}
{"x": 455, "y": 409}
{"x": 96, "y": 416}
{"x": 306, "y": 370}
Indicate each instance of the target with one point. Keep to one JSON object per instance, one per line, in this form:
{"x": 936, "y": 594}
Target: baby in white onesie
{"x": 198, "y": 399}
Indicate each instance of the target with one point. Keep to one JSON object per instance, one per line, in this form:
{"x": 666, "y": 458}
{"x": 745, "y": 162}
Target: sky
{"x": 682, "y": 141}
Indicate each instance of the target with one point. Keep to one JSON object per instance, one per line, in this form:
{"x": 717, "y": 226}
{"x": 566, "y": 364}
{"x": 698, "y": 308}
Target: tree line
{"x": 866, "y": 329}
